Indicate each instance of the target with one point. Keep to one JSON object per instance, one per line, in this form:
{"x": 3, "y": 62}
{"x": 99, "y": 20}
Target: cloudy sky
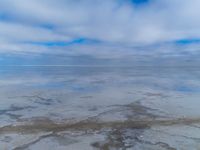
{"x": 43, "y": 30}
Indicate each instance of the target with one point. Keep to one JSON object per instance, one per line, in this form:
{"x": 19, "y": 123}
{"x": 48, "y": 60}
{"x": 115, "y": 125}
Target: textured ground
{"x": 106, "y": 108}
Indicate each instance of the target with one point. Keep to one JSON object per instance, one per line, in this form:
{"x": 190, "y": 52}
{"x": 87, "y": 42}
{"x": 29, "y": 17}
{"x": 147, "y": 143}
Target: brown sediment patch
{"x": 136, "y": 110}
{"x": 50, "y": 126}
{"x": 115, "y": 140}
{"x": 119, "y": 139}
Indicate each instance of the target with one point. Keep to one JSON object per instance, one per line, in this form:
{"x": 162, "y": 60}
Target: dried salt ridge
{"x": 49, "y": 126}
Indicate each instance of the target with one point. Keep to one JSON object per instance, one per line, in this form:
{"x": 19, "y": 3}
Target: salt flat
{"x": 99, "y": 107}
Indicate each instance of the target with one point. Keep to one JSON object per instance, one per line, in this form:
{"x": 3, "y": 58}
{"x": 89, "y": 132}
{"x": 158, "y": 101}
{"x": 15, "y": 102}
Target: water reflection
{"x": 99, "y": 94}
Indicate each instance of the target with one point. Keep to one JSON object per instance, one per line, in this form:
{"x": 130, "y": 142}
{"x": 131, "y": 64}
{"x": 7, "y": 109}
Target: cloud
{"x": 113, "y": 27}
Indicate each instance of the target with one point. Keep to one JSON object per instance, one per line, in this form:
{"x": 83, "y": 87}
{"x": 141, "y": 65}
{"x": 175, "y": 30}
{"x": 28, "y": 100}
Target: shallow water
{"x": 88, "y": 107}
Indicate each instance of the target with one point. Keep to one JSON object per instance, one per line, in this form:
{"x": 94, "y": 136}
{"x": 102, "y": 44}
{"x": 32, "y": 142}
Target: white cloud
{"x": 114, "y": 22}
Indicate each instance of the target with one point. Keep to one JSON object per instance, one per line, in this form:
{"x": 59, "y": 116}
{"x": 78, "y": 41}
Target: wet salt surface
{"x": 140, "y": 108}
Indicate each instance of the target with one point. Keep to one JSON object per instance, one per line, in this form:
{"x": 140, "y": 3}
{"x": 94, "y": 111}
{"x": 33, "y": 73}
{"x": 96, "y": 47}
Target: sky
{"x": 64, "y": 31}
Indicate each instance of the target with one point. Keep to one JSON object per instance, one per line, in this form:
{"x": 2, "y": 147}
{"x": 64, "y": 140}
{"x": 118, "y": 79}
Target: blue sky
{"x": 103, "y": 29}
